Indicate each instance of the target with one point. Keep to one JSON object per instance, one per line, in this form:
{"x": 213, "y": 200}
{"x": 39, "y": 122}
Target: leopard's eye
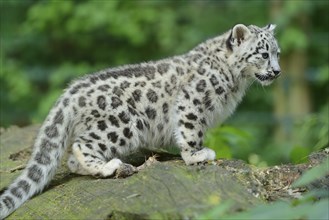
{"x": 265, "y": 55}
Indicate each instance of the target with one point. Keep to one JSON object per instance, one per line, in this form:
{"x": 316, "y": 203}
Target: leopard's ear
{"x": 240, "y": 33}
{"x": 270, "y": 27}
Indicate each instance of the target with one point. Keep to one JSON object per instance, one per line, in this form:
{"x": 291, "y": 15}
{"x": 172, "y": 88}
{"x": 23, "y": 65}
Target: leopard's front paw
{"x": 203, "y": 155}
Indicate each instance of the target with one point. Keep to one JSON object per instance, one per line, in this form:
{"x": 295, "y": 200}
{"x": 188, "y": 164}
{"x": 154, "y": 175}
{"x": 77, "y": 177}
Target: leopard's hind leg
{"x": 86, "y": 160}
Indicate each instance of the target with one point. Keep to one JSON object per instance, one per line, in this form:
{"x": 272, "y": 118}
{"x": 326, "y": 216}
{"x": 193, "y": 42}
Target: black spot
{"x": 127, "y": 133}
{"x": 16, "y": 192}
{"x": 82, "y": 101}
{"x": 131, "y": 102}
{"x": 101, "y": 102}
{"x": 201, "y": 71}
{"x": 139, "y": 124}
{"x": 196, "y": 102}
{"x": 95, "y": 136}
{"x": 116, "y": 102}
{"x": 34, "y": 173}
{"x": 213, "y": 80}
{"x": 152, "y": 96}
{"x": 124, "y": 85}
{"x": 141, "y": 84}
{"x": 51, "y": 131}
{"x": 113, "y": 137}
{"x": 132, "y": 111}
{"x": 43, "y": 158}
{"x": 203, "y": 121}
{"x": 122, "y": 142}
{"x": 105, "y": 75}
{"x": 65, "y": 102}
{"x": 90, "y": 92}
{"x": 95, "y": 113}
{"x": 156, "y": 84}
{"x": 165, "y": 108}
{"x": 101, "y": 125}
{"x": 201, "y": 85}
{"x": 189, "y": 125}
{"x": 86, "y": 154}
{"x": 76, "y": 88}
{"x": 147, "y": 125}
{"x": 46, "y": 145}
{"x": 162, "y": 68}
{"x": 117, "y": 91}
{"x": 225, "y": 76}
{"x": 104, "y": 88}
{"x": 59, "y": 117}
{"x": 24, "y": 185}
{"x": 173, "y": 80}
{"x": 160, "y": 127}
{"x": 168, "y": 88}
{"x": 113, "y": 150}
{"x": 75, "y": 110}
{"x": 93, "y": 79}
{"x": 219, "y": 90}
{"x": 124, "y": 117}
{"x": 149, "y": 72}
{"x": 182, "y": 108}
{"x": 191, "y": 116}
{"x": 89, "y": 146}
{"x": 102, "y": 147}
{"x": 9, "y": 202}
{"x": 101, "y": 153}
{"x": 186, "y": 95}
{"x": 180, "y": 71}
{"x": 206, "y": 100}
{"x": 191, "y": 143}
{"x": 179, "y": 61}
{"x": 137, "y": 95}
{"x": 150, "y": 112}
{"x": 200, "y": 134}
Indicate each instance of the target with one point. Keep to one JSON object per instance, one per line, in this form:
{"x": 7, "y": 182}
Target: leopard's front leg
{"x": 189, "y": 134}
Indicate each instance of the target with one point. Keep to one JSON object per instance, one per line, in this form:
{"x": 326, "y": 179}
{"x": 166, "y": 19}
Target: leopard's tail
{"x": 49, "y": 147}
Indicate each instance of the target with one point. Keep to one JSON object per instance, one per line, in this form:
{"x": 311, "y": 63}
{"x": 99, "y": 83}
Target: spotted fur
{"x": 105, "y": 116}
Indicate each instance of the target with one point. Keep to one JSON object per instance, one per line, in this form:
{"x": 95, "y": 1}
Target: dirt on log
{"x": 162, "y": 189}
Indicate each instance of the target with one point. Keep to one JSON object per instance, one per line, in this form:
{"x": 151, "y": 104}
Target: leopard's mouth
{"x": 266, "y": 77}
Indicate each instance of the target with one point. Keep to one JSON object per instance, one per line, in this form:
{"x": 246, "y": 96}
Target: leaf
{"x": 218, "y": 211}
{"x": 319, "y": 210}
{"x": 277, "y": 210}
{"x": 299, "y": 154}
{"x": 313, "y": 174}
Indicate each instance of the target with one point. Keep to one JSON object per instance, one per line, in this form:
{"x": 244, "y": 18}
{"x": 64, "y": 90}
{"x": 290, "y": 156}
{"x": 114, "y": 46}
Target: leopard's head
{"x": 257, "y": 52}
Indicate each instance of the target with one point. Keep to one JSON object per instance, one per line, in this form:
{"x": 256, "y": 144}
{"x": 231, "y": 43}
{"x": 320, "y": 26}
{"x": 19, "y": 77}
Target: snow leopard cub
{"x": 103, "y": 117}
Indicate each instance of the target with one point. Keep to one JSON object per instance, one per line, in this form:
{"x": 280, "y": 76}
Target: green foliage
{"x": 227, "y": 140}
{"x": 299, "y": 154}
{"x": 293, "y": 38}
{"x": 311, "y": 134}
{"x": 313, "y": 174}
{"x": 46, "y": 44}
{"x": 306, "y": 207}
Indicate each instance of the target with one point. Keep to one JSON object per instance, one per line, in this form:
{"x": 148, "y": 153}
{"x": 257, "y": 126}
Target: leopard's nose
{"x": 276, "y": 72}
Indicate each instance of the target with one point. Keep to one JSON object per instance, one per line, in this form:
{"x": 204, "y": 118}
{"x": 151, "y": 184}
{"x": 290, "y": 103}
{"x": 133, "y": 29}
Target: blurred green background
{"x": 46, "y": 44}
